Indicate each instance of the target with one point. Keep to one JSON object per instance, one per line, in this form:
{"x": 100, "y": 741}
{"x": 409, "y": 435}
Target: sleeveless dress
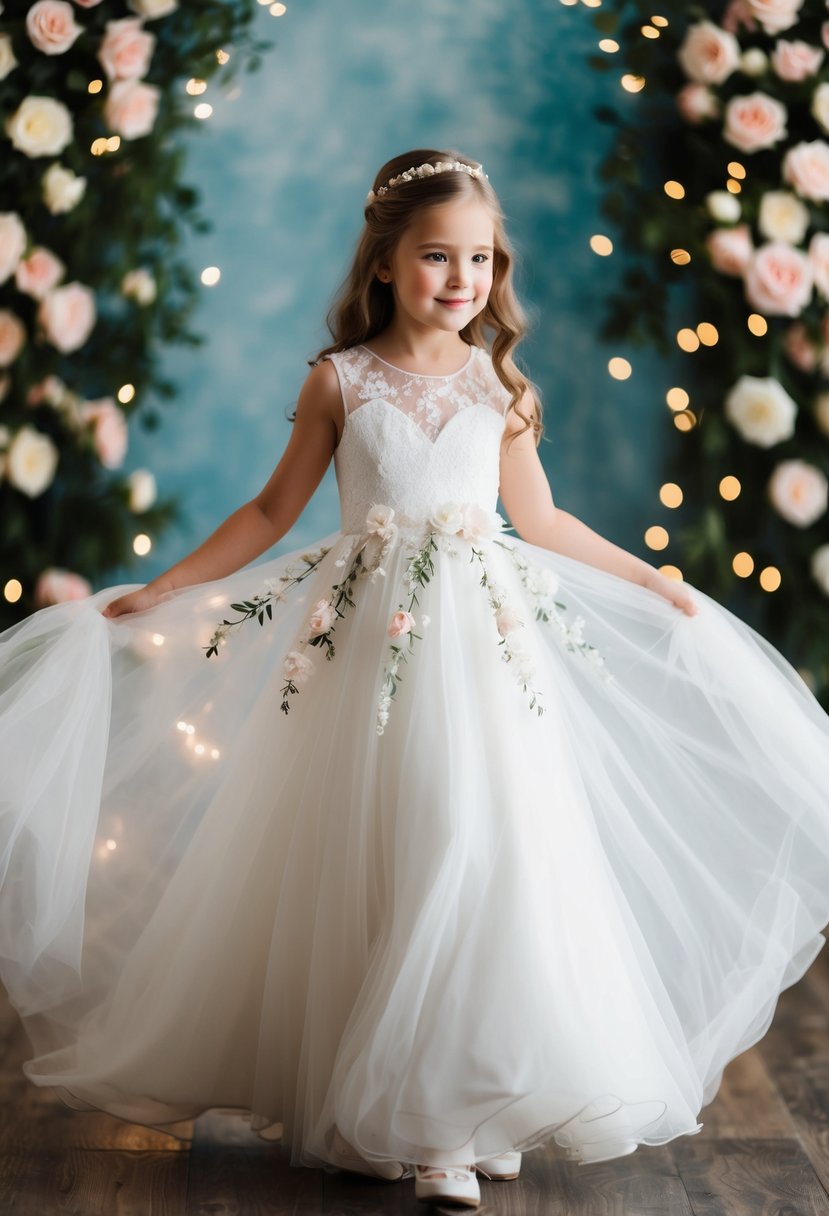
{"x": 425, "y": 833}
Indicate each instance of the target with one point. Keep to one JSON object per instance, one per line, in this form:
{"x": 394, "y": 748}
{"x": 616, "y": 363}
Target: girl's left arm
{"x": 528, "y": 499}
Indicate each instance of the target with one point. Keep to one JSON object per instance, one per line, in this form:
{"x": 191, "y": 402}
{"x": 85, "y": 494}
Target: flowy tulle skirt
{"x": 481, "y": 928}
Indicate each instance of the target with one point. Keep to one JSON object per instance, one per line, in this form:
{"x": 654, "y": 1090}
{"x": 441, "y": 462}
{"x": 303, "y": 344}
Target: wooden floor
{"x": 764, "y": 1150}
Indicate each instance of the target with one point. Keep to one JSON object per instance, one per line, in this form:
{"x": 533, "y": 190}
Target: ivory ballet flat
{"x": 347, "y": 1158}
{"x": 455, "y": 1183}
{"x": 502, "y": 1167}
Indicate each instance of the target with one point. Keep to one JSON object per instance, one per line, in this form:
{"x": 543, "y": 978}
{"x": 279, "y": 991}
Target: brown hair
{"x": 364, "y": 306}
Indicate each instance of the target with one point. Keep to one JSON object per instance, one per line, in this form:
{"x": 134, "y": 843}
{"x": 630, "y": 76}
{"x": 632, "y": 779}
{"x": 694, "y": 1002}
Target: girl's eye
{"x": 443, "y": 255}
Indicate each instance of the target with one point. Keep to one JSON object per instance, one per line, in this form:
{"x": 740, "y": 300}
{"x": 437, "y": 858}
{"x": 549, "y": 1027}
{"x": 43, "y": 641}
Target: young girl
{"x": 437, "y": 843}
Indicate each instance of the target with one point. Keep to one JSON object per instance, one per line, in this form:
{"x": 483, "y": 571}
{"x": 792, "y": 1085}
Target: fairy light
{"x": 685, "y": 421}
{"x": 632, "y": 84}
{"x": 660, "y": 21}
{"x": 126, "y": 393}
{"x": 158, "y": 639}
{"x": 13, "y": 590}
{"x": 742, "y": 564}
{"x": 707, "y": 333}
{"x": 197, "y": 746}
{"x": 757, "y": 324}
{"x": 770, "y": 578}
{"x": 649, "y": 31}
{"x": 656, "y": 537}
{"x": 736, "y": 169}
{"x": 195, "y": 87}
{"x": 112, "y": 845}
{"x": 113, "y": 143}
{"x": 142, "y": 544}
{"x": 222, "y": 56}
{"x": 94, "y": 86}
{"x": 203, "y": 110}
{"x": 620, "y": 369}
{"x": 210, "y": 276}
{"x": 674, "y": 189}
{"x": 670, "y": 495}
{"x": 673, "y": 572}
{"x": 680, "y": 257}
{"x": 98, "y": 146}
{"x": 601, "y": 244}
{"x": 278, "y": 10}
{"x": 687, "y": 339}
{"x": 733, "y": 186}
{"x": 677, "y": 398}
{"x": 729, "y": 488}
{"x": 609, "y": 45}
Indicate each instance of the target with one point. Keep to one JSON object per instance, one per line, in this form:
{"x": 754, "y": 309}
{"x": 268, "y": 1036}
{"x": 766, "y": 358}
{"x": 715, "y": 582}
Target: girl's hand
{"x": 135, "y": 601}
{"x": 671, "y": 589}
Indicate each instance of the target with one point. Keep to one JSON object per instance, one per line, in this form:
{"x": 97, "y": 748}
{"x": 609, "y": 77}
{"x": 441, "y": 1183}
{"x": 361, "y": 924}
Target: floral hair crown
{"x": 427, "y": 170}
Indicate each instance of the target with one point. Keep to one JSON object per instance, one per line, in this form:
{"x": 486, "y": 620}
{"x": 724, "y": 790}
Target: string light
{"x": 670, "y": 495}
{"x": 195, "y": 86}
{"x": 660, "y": 21}
{"x": 94, "y": 86}
{"x": 609, "y": 45}
{"x": 672, "y": 572}
{"x": 222, "y": 56}
{"x": 648, "y": 31}
{"x": 197, "y": 746}
{"x": 757, "y": 324}
{"x": 736, "y": 169}
{"x": 707, "y": 333}
{"x": 742, "y": 564}
{"x": 685, "y": 421}
{"x": 277, "y": 10}
{"x": 687, "y": 339}
{"x": 632, "y": 84}
{"x": 732, "y": 186}
{"x": 620, "y": 369}
{"x": 601, "y": 244}
{"x": 142, "y": 544}
{"x": 770, "y": 578}
{"x": 13, "y": 590}
{"x": 656, "y": 537}
{"x": 203, "y": 110}
{"x": 680, "y": 257}
{"x": 677, "y": 398}
{"x": 674, "y": 189}
{"x": 126, "y": 393}
{"x": 730, "y": 488}
{"x": 210, "y": 276}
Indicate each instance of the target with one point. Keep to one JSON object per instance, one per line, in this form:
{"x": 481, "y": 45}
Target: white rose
{"x": 142, "y": 490}
{"x": 820, "y": 104}
{"x": 31, "y": 461}
{"x": 761, "y": 410}
{"x": 448, "y": 518}
{"x": 62, "y": 189}
{"x": 822, "y": 412}
{"x": 754, "y": 62}
{"x": 150, "y": 9}
{"x": 40, "y": 126}
{"x": 12, "y": 243}
{"x": 140, "y": 284}
{"x": 819, "y": 566}
{"x": 783, "y": 217}
{"x": 723, "y": 206}
{"x": 7, "y": 60}
{"x": 708, "y": 54}
{"x": 799, "y": 492}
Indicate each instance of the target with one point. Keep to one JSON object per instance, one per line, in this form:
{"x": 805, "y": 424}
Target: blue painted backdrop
{"x": 284, "y": 166}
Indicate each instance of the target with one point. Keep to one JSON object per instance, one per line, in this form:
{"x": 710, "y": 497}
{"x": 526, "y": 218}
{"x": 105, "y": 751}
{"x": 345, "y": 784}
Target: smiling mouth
{"x": 454, "y": 301}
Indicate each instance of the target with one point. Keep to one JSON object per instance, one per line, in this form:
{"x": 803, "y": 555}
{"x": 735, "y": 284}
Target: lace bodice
{"x": 412, "y": 441}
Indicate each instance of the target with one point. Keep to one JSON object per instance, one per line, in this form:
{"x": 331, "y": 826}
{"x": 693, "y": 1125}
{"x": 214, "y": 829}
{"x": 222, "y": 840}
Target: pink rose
{"x": 696, "y": 102}
{"x": 110, "y": 433}
{"x": 322, "y": 618}
{"x": 819, "y": 258}
{"x": 708, "y": 54}
{"x": 736, "y": 14}
{"x": 798, "y": 347}
{"x": 49, "y": 390}
{"x": 754, "y": 121}
{"x": 126, "y": 49}
{"x": 51, "y": 26}
{"x": 775, "y": 15}
{"x": 56, "y": 586}
{"x": 806, "y": 167}
{"x": 39, "y": 272}
{"x": 779, "y": 279}
{"x": 795, "y": 60}
{"x": 476, "y": 523}
{"x": 730, "y": 249}
{"x": 12, "y": 243}
{"x": 297, "y": 667}
{"x": 87, "y": 3}
{"x": 12, "y": 337}
{"x": 401, "y": 622}
{"x": 131, "y": 107}
{"x": 824, "y": 34}
{"x": 798, "y": 492}
{"x": 67, "y": 315}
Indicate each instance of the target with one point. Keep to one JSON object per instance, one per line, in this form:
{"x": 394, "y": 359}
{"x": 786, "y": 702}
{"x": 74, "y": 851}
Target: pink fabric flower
{"x": 57, "y": 586}
{"x": 401, "y": 623}
{"x": 696, "y": 102}
{"x": 131, "y": 107}
{"x": 806, "y": 167}
{"x": 39, "y": 272}
{"x": 51, "y": 26}
{"x": 110, "y": 435}
{"x": 297, "y": 667}
{"x": 796, "y": 60}
{"x": 126, "y": 49}
{"x": 67, "y": 315}
{"x": 754, "y": 121}
{"x": 730, "y": 249}
{"x": 779, "y": 280}
{"x": 12, "y": 337}
{"x": 322, "y": 618}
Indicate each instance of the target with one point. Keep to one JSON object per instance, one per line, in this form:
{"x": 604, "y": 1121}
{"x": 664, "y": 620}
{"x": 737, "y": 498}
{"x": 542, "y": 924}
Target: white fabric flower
{"x": 297, "y": 667}
{"x": 447, "y": 519}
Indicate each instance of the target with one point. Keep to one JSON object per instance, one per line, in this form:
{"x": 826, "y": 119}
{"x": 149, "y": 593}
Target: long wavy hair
{"x": 364, "y": 306}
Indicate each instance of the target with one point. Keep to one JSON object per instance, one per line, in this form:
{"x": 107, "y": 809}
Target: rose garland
{"x": 466, "y": 521}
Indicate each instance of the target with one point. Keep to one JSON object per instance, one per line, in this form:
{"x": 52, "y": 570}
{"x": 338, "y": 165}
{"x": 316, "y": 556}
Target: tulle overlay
{"x": 483, "y": 927}
{"x": 412, "y": 907}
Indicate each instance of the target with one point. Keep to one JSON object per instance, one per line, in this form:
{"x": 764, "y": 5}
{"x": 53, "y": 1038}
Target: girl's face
{"x": 441, "y": 269}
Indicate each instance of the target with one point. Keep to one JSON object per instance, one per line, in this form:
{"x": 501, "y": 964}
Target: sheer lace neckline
{"x": 421, "y": 375}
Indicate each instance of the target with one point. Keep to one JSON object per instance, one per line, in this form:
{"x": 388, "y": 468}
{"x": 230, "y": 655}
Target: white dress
{"x": 429, "y": 917}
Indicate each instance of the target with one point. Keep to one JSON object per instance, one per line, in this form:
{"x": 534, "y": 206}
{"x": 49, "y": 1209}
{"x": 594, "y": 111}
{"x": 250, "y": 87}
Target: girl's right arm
{"x": 260, "y": 523}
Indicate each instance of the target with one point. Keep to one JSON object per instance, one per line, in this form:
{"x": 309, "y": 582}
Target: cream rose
{"x": 722, "y": 206}
{"x": 12, "y": 243}
{"x": 51, "y": 26}
{"x": 730, "y": 249}
{"x": 110, "y": 434}
{"x": 151, "y": 9}
{"x": 819, "y": 567}
{"x": 142, "y": 490}
{"x": 131, "y": 107}
{"x": 62, "y": 189}
{"x": 819, "y": 258}
{"x": 761, "y": 410}
{"x": 754, "y": 62}
{"x": 31, "y": 461}
{"x": 696, "y": 102}
{"x": 447, "y": 519}
{"x": 139, "y": 284}
{"x": 67, "y": 315}
{"x": 708, "y": 54}
{"x": 799, "y": 348}
{"x": 799, "y": 492}
{"x": 820, "y": 104}
{"x": 400, "y": 624}
{"x": 7, "y": 60}
{"x": 126, "y": 49}
{"x": 12, "y": 337}
{"x": 39, "y": 272}
{"x": 40, "y": 126}
{"x": 323, "y": 616}
{"x": 806, "y": 167}
{"x": 56, "y": 586}
{"x": 754, "y": 121}
{"x": 783, "y": 217}
{"x": 775, "y": 15}
{"x": 297, "y": 667}
{"x": 779, "y": 280}
{"x": 796, "y": 60}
